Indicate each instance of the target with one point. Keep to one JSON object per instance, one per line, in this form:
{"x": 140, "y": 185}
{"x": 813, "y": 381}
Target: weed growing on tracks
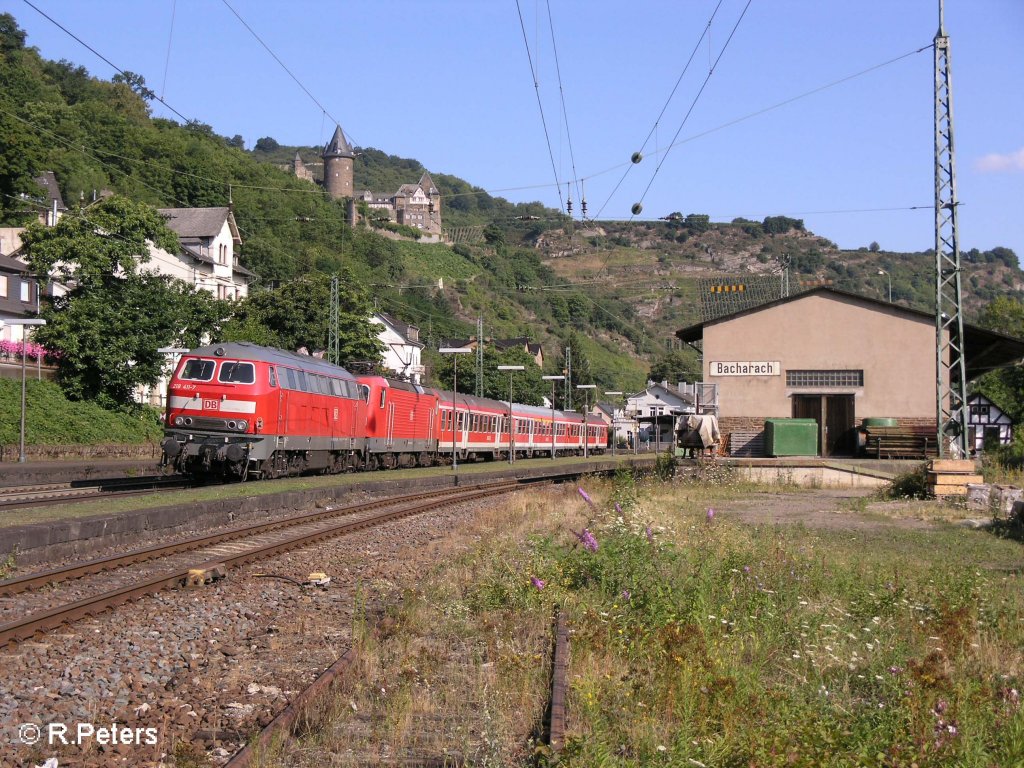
{"x": 699, "y": 641}
{"x": 8, "y": 565}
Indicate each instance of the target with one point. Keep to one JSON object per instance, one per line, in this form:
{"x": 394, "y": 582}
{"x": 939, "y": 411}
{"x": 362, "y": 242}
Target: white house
{"x": 986, "y": 422}
{"x": 209, "y": 240}
{"x": 402, "y": 352}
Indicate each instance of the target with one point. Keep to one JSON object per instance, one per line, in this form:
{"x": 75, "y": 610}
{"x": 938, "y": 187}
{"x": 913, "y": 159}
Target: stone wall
{"x": 11, "y": 453}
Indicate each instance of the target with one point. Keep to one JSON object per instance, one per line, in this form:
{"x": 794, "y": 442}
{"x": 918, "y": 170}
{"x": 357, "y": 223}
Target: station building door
{"x": 836, "y": 422}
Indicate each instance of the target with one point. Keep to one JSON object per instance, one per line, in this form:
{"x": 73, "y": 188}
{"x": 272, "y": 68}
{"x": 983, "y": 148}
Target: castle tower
{"x": 338, "y": 157}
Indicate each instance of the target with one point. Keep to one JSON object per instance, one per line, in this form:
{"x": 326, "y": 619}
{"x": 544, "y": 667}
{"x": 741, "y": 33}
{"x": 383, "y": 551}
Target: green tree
{"x": 297, "y": 314}
{"x": 1004, "y": 387}
{"x": 581, "y": 372}
{"x": 527, "y": 386}
{"x": 675, "y": 366}
{"x": 109, "y": 324}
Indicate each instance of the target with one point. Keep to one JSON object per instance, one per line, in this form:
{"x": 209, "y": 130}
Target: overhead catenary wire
{"x": 540, "y": 106}
{"x": 565, "y": 113}
{"x": 694, "y": 102}
{"x": 170, "y": 38}
{"x": 657, "y": 121}
{"x": 284, "y": 66}
{"x": 79, "y": 40}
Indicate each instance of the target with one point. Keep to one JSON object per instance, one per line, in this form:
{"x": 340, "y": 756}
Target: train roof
{"x": 243, "y": 350}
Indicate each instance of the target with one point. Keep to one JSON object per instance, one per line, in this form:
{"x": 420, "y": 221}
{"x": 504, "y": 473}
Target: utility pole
{"x": 568, "y": 378}
{"x": 334, "y": 326}
{"x": 951, "y": 379}
{"x": 479, "y": 357}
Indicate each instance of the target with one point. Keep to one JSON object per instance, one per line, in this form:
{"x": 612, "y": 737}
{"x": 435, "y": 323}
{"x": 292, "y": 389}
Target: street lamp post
{"x": 586, "y": 411}
{"x": 617, "y": 394}
{"x": 511, "y": 427}
{"x": 553, "y": 379}
{"x": 455, "y": 351}
{"x": 35, "y": 322}
{"x": 888, "y": 277}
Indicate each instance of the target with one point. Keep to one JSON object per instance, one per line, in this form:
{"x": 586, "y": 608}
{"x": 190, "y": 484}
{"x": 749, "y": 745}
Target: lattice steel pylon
{"x": 333, "y": 326}
{"x": 951, "y": 378}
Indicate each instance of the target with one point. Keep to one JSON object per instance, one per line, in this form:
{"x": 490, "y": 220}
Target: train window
{"x": 325, "y": 385}
{"x": 288, "y": 382}
{"x": 460, "y": 420}
{"x": 303, "y": 380}
{"x": 233, "y": 372}
{"x": 383, "y": 397}
{"x": 197, "y": 370}
{"x": 273, "y": 376}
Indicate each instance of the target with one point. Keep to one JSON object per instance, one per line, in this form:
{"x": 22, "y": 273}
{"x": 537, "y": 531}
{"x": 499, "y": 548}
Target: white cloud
{"x": 996, "y": 163}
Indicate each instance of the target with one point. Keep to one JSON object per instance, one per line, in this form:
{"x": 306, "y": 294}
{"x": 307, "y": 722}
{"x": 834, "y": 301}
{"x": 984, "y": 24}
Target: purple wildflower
{"x": 746, "y": 569}
{"x": 626, "y": 594}
{"x": 587, "y": 539}
{"x": 940, "y": 706}
{"x": 538, "y": 583}
{"x": 711, "y": 514}
{"x": 586, "y": 498}
{"x": 650, "y": 535}
{"x": 618, "y": 509}
{"x": 894, "y": 670}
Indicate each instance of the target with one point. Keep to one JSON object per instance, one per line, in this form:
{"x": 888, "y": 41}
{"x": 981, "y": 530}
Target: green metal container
{"x": 791, "y": 437}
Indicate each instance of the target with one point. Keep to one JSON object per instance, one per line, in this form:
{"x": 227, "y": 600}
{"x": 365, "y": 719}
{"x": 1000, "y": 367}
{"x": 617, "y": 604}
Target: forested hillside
{"x": 619, "y": 289}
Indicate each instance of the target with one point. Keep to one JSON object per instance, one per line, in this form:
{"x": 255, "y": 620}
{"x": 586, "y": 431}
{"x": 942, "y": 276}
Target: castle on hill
{"x": 414, "y": 205}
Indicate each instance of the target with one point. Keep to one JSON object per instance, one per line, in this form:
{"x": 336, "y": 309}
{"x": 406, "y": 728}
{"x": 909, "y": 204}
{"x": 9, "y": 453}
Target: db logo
{"x": 211, "y": 405}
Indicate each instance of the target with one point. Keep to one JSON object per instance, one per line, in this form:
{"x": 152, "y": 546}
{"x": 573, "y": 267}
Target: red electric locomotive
{"x": 401, "y": 423}
{"x": 239, "y": 410}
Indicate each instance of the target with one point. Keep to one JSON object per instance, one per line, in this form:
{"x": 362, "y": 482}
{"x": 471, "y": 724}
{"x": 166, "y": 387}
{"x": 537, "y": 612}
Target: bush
{"x": 910, "y": 485}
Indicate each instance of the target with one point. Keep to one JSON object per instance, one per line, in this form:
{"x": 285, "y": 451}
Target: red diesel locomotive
{"x": 238, "y": 410}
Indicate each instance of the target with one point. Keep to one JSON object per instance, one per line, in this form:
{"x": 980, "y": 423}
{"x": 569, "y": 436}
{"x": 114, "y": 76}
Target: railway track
{"x": 43, "y": 494}
{"x": 213, "y": 555}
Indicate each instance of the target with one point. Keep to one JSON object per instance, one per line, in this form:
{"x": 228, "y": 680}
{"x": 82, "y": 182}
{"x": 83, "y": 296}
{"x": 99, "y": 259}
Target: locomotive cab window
{"x": 383, "y": 397}
{"x": 198, "y": 370}
{"x": 237, "y": 373}
{"x": 273, "y": 376}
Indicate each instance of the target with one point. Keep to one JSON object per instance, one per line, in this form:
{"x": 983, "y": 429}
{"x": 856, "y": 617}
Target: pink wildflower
{"x": 587, "y": 539}
{"x": 711, "y": 514}
{"x": 650, "y": 535}
{"x": 586, "y": 498}
{"x": 538, "y": 583}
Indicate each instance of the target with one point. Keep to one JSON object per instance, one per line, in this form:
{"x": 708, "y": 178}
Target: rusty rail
{"x": 77, "y": 570}
{"x": 29, "y": 626}
{"x": 559, "y": 675}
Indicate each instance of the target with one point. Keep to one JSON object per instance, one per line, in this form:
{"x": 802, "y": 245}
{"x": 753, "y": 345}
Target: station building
{"x": 831, "y": 356}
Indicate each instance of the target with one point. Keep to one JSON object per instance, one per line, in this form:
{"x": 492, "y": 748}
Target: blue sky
{"x": 448, "y": 82}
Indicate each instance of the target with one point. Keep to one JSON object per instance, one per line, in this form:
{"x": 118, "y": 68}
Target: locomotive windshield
{"x": 237, "y": 373}
{"x": 198, "y": 370}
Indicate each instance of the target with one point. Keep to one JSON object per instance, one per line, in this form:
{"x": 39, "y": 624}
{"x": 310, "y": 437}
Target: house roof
{"x": 984, "y": 350}
{"x": 199, "y": 222}
{"x": 7, "y": 264}
{"x": 338, "y": 146}
{"x": 48, "y": 181}
{"x": 402, "y": 329}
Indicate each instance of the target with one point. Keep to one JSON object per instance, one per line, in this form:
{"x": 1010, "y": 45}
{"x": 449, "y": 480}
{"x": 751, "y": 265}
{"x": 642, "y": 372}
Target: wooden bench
{"x": 900, "y": 443}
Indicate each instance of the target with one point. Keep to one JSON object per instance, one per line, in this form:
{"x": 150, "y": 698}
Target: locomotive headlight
{"x": 188, "y": 421}
{"x": 178, "y": 421}
{"x": 242, "y": 425}
{"x": 231, "y": 425}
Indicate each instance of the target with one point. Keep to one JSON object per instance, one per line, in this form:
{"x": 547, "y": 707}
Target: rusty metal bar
{"x": 556, "y": 731}
{"x": 281, "y": 725}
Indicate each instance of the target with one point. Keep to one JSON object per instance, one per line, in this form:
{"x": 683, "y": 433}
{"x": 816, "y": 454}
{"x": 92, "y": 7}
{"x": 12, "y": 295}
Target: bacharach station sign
{"x": 772, "y": 368}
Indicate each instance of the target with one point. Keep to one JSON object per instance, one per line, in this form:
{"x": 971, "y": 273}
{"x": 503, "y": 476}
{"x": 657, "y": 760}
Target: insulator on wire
{"x": 583, "y": 207}
{"x": 636, "y": 157}
{"x": 637, "y": 208}
{"x": 568, "y": 206}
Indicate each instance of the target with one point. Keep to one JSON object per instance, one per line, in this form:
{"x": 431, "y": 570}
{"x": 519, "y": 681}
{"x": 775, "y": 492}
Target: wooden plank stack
{"x": 950, "y": 477}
